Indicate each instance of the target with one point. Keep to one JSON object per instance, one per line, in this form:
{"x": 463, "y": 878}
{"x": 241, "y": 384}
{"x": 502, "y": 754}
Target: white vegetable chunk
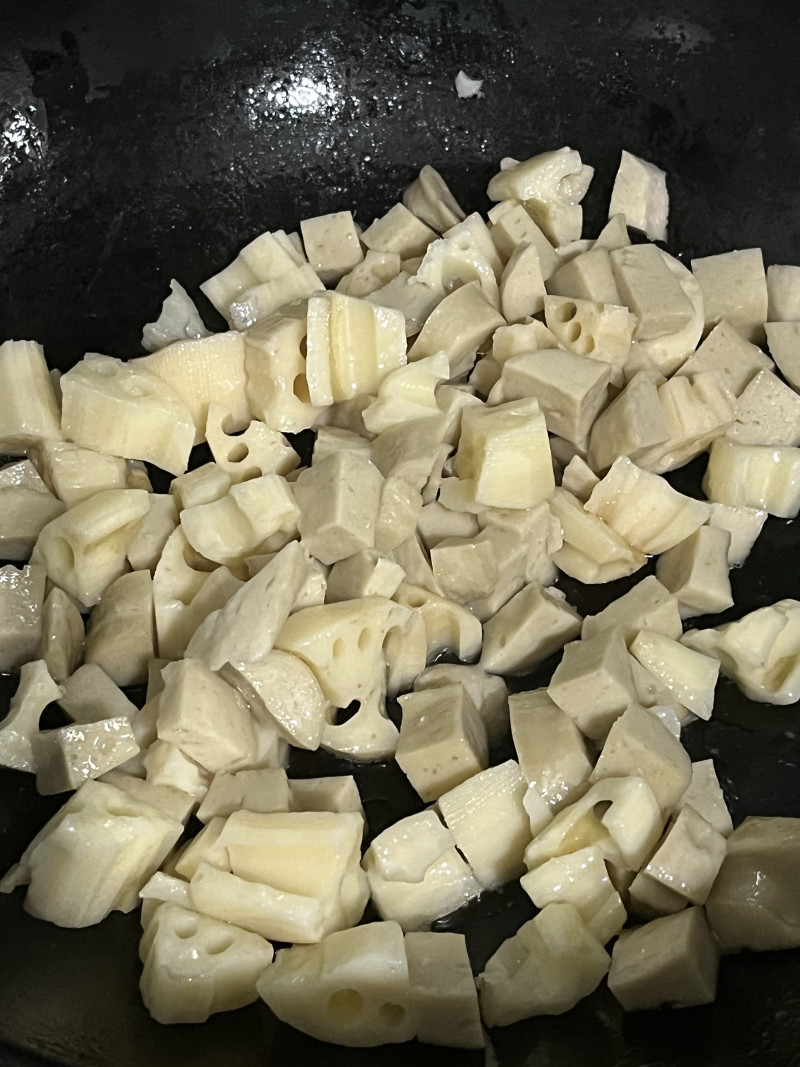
{"x": 93, "y": 856}
{"x": 20, "y": 726}
{"x": 331, "y": 244}
{"x": 124, "y": 409}
{"x": 204, "y": 716}
{"x": 651, "y": 291}
{"x": 602, "y": 332}
{"x": 66, "y": 757}
{"x": 767, "y": 413}
{"x": 275, "y": 368}
{"x": 593, "y": 682}
{"x": 261, "y": 789}
{"x": 755, "y": 476}
{"x": 783, "y": 339}
{"x": 22, "y": 594}
{"x": 26, "y": 507}
{"x": 783, "y": 291}
{"x": 648, "y": 605}
{"x": 588, "y": 277}
{"x": 687, "y": 859}
{"x": 544, "y": 969}
{"x": 620, "y": 814}
{"x": 673, "y": 960}
{"x": 550, "y": 748}
{"x": 75, "y": 473}
{"x": 489, "y": 822}
{"x": 62, "y": 635}
{"x": 415, "y": 872}
{"x": 244, "y": 630}
{"x": 753, "y": 903}
{"x": 458, "y": 326}
{"x": 552, "y": 185}
{"x": 705, "y": 795}
{"x": 735, "y": 288}
{"x": 120, "y": 637}
{"x": 179, "y": 320}
{"x": 84, "y": 550}
{"x": 533, "y": 625}
{"x": 579, "y": 878}
{"x": 512, "y": 226}
{"x": 196, "y": 966}
{"x": 729, "y": 356}
{"x": 442, "y": 740}
{"x": 431, "y": 200}
{"x": 90, "y": 695}
{"x": 638, "y": 743}
{"x": 352, "y": 345}
{"x": 258, "y": 450}
{"x": 640, "y": 194}
{"x": 400, "y": 231}
{"x": 159, "y": 522}
{"x": 503, "y": 458}
{"x": 265, "y": 258}
{"x": 294, "y": 876}
{"x": 207, "y": 371}
{"x": 696, "y": 571}
{"x": 742, "y": 524}
{"x": 449, "y": 627}
{"x": 235, "y": 526}
{"x": 571, "y": 390}
{"x": 644, "y": 508}
{"x": 29, "y": 410}
{"x": 488, "y": 692}
{"x": 444, "y": 1001}
{"x": 339, "y": 500}
{"x": 760, "y": 651}
{"x": 352, "y": 989}
{"x": 591, "y": 551}
{"x": 286, "y": 690}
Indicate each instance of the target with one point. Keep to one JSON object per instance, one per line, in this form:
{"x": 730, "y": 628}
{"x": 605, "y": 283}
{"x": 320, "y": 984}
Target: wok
{"x": 144, "y": 141}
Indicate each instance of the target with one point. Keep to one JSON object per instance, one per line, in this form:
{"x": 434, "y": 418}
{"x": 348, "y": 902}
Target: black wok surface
{"x": 144, "y": 141}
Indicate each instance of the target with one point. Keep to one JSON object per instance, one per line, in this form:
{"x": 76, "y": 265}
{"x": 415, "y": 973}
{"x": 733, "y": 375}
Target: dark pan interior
{"x": 145, "y": 141}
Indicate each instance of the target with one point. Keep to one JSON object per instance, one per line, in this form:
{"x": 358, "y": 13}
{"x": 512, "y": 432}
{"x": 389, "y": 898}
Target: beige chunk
{"x": 696, "y": 571}
{"x": 533, "y": 625}
{"x": 121, "y": 634}
{"x": 339, "y": 501}
{"x": 442, "y": 741}
{"x": 550, "y": 748}
{"x": 651, "y": 291}
{"x": 332, "y": 245}
{"x": 639, "y": 744}
{"x": 593, "y": 683}
{"x": 673, "y": 960}
{"x": 735, "y": 288}
{"x": 767, "y": 413}
{"x": 571, "y": 389}
{"x": 728, "y": 355}
{"x": 783, "y": 339}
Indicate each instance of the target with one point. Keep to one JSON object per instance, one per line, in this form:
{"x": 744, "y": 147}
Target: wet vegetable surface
{"x": 146, "y": 141}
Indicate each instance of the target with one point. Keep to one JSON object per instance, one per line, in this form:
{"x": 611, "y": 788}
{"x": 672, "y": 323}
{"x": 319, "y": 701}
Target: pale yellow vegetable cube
{"x": 489, "y": 822}
{"x": 735, "y": 288}
{"x": 593, "y": 683}
{"x": 442, "y": 740}
{"x": 533, "y": 625}
{"x": 673, "y": 960}
{"x": 639, "y": 744}
{"x": 550, "y": 748}
{"x": 544, "y": 969}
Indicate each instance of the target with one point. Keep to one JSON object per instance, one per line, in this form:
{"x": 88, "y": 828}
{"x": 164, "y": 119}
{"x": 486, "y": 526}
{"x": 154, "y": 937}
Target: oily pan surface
{"x": 141, "y": 142}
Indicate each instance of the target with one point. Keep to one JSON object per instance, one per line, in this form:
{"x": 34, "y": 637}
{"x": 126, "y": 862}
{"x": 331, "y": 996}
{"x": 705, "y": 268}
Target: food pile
{"x": 493, "y": 403}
